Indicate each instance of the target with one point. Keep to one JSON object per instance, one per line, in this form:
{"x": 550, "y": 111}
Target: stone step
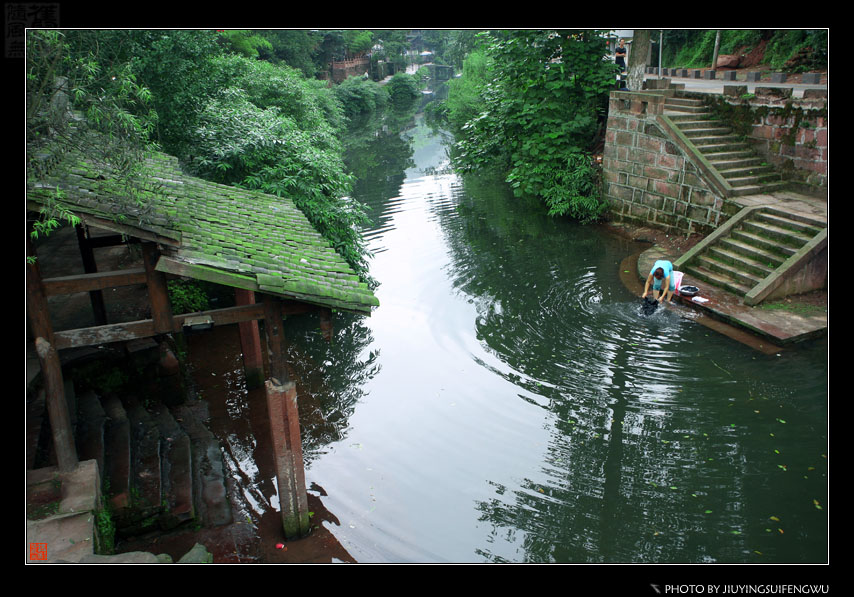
{"x": 89, "y": 434}
{"x": 754, "y": 180}
{"x": 763, "y": 243}
{"x": 741, "y": 277}
{"x": 117, "y": 459}
{"x": 672, "y": 108}
{"x": 816, "y": 224}
{"x": 739, "y": 261}
{"x": 768, "y": 187}
{"x": 721, "y": 145}
{"x": 146, "y": 498}
{"x": 734, "y": 245}
{"x": 209, "y": 483}
{"x": 737, "y": 161}
{"x": 730, "y": 156}
{"x": 717, "y": 279}
{"x": 808, "y": 228}
{"x": 691, "y": 122}
{"x": 782, "y": 236}
{"x": 685, "y": 102}
{"x": 706, "y": 131}
{"x": 177, "y": 470}
{"x": 741, "y": 170}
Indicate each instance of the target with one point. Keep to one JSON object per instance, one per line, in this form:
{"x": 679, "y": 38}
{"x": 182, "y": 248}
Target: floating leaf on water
{"x": 708, "y": 512}
{"x": 781, "y": 531}
{"x": 736, "y": 532}
{"x": 759, "y": 553}
{"x": 781, "y": 421}
{"x": 774, "y": 518}
{"x": 817, "y": 505}
{"x": 776, "y": 451}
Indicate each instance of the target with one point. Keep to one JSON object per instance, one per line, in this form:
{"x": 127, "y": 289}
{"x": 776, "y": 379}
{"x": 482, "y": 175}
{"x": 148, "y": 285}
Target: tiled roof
{"x": 234, "y": 236}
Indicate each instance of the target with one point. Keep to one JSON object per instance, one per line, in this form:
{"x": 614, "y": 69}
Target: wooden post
{"x": 250, "y": 342}
{"x": 326, "y": 328}
{"x": 287, "y": 455}
{"x": 158, "y": 294}
{"x": 96, "y": 297}
{"x": 37, "y": 308}
{"x": 275, "y": 338}
{"x": 284, "y": 427}
{"x": 57, "y": 406}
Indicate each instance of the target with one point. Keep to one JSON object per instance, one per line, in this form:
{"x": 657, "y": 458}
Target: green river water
{"x": 507, "y": 402}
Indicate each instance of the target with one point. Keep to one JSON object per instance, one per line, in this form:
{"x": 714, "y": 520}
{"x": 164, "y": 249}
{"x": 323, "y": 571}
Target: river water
{"x": 508, "y": 402}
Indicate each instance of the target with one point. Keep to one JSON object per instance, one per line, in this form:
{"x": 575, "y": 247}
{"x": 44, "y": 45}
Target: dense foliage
{"x": 791, "y": 49}
{"x": 532, "y": 103}
{"x": 205, "y": 97}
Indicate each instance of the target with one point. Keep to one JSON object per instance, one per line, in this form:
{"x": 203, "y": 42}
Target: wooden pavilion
{"x": 261, "y": 245}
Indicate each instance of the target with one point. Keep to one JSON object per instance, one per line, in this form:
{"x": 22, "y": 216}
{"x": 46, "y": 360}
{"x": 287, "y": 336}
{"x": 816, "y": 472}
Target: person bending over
{"x": 661, "y": 280}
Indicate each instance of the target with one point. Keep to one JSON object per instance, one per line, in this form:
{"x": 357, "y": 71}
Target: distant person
{"x": 620, "y": 54}
{"x": 661, "y": 279}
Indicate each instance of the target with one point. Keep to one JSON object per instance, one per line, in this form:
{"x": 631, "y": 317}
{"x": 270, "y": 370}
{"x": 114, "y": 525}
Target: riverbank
{"x": 767, "y": 327}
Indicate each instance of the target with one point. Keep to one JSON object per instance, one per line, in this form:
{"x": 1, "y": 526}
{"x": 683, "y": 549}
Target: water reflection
{"x": 507, "y": 402}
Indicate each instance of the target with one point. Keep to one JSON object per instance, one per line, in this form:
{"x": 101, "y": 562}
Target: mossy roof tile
{"x": 222, "y": 227}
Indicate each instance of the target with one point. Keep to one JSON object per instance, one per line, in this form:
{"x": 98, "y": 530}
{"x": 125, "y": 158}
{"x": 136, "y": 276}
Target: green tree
{"x": 84, "y": 98}
{"x": 540, "y": 115}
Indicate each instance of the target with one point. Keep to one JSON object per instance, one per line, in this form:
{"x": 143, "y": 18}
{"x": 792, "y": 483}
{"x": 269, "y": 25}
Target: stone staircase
{"x": 160, "y": 466}
{"x": 741, "y": 169}
{"x": 753, "y": 250}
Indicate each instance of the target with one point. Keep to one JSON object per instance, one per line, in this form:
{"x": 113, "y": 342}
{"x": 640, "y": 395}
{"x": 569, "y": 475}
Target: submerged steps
{"x": 160, "y": 466}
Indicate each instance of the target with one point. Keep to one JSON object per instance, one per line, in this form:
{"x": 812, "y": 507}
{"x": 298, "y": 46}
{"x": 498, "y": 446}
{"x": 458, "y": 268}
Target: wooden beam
{"x": 118, "y": 332}
{"x": 57, "y": 406}
{"x": 96, "y": 281}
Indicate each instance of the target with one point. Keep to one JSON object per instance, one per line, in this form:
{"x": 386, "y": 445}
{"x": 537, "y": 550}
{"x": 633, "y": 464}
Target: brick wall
{"x": 791, "y": 133}
{"x": 648, "y": 179}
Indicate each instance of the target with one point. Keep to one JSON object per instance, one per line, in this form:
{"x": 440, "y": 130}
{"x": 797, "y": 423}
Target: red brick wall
{"x": 798, "y": 146}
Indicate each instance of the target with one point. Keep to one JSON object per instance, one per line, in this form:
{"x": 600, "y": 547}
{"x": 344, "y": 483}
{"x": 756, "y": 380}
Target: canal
{"x": 507, "y": 402}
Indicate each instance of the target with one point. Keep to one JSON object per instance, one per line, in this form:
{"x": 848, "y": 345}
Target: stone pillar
{"x": 287, "y": 455}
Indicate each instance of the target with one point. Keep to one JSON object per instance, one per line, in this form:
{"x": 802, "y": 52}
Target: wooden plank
{"x": 104, "y": 334}
{"x": 90, "y": 282}
{"x": 118, "y": 332}
{"x": 206, "y": 273}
